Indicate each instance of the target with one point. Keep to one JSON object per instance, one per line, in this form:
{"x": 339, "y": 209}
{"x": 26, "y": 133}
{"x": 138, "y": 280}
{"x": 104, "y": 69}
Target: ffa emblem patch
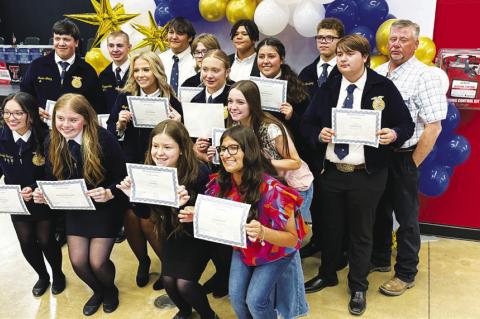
{"x": 77, "y": 82}
{"x": 378, "y": 103}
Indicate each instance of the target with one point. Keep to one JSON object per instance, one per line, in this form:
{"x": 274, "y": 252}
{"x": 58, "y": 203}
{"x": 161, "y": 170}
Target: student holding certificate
{"x": 79, "y": 148}
{"x": 274, "y": 229}
{"x": 146, "y": 78}
{"x": 184, "y": 257}
{"x": 22, "y": 163}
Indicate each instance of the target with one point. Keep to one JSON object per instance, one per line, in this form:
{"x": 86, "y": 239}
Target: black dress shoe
{"x": 93, "y": 304}
{"x": 317, "y": 283}
{"x": 40, "y": 287}
{"x": 121, "y": 236}
{"x": 143, "y": 274}
{"x": 58, "y": 284}
{"x": 358, "y": 303}
{"x": 180, "y": 315}
{"x": 110, "y": 302}
{"x": 309, "y": 249}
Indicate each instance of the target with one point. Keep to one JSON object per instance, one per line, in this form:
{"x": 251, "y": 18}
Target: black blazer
{"x": 309, "y": 77}
{"x": 135, "y": 142}
{"x": 42, "y": 80}
{"x": 255, "y": 70}
{"x": 109, "y": 85}
{"x": 20, "y": 169}
{"x": 395, "y": 115}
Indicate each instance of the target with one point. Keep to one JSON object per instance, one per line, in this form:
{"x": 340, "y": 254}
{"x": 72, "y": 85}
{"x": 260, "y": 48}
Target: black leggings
{"x": 90, "y": 258}
{"x": 187, "y": 294}
{"x": 37, "y": 240}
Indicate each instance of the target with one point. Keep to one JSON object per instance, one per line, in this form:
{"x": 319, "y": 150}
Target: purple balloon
{"x": 365, "y": 32}
{"x": 433, "y": 181}
{"x": 345, "y": 10}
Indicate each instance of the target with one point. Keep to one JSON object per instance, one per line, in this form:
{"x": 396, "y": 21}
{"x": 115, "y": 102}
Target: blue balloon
{"x": 450, "y": 170}
{"x": 162, "y": 12}
{"x": 433, "y": 181}
{"x": 345, "y": 10}
{"x": 450, "y": 123}
{"x": 186, "y": 8}
{"x": 453, "y": 150}
{"x": 372, "y": 13}
{"x": 367, "y": 33}
{"x": 390, "y": 16}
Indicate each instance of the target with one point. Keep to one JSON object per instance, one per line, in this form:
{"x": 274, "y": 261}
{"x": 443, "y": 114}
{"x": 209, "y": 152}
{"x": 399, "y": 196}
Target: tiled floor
{"x": 447, "y": 286}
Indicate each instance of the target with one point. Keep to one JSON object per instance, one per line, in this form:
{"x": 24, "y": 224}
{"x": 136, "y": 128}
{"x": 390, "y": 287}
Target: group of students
{"x": 267, "y": 159}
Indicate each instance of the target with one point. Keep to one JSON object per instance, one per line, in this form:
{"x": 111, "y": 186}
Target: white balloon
{"x": 323, "y": 1}
{"x": 306, "y": 17}
{"x": 142, "y": 7}
{"x": 445, "y": 81}
{"x": 287, "y": 2}
{"x": 270, "y": 17}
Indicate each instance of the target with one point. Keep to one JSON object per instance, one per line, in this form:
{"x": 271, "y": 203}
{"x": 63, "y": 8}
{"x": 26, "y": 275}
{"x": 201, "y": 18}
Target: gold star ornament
{"x": 155, "y": 36}
{"x": 107, "y": 18}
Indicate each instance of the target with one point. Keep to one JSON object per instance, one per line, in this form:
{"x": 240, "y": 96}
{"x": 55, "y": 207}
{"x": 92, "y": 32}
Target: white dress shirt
{"x": 331, "y": 65}
{"x": 241, "y": 69}
{"x": 154, "y": 94}
{"x": 70, "y": 62}
{"x": 356, "y": 155}
{"x": 25, "y": 137}
{"x": 214, "y": 94}
{"x": 123, "y": 68}
{"x": 186, "y": 64}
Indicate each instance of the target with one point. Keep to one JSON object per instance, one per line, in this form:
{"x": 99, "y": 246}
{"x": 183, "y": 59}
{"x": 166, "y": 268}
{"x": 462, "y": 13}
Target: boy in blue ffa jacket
{"x": 62, "y": 71}
{"x": 352, "y": 177}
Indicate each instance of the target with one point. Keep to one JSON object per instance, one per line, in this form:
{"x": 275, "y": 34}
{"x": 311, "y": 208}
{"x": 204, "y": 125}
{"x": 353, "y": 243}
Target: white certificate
{"x": 186, "y": 94}
{"x": 356, "y": 126}
{"x": 147, "y": 112}
{"x": 153, "y": 184}
{"x": 273, "y": 92}
{"x": 102, "y": 120}
{"x": 216, "y": 135}
{"x": 12, "y": 200}
{"x": 49, "y": 105}
{"x": 201, "y": 118}
{"x": 68, "y": 194}
{"x": 220, "y": 220}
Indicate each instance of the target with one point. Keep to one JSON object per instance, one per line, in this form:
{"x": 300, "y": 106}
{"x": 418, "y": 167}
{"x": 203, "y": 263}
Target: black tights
{"x": 90, "y": 258}
{"x": 139, "y": 231}
{"x": 187, "y": 294}
{"x": 37, "y": 239}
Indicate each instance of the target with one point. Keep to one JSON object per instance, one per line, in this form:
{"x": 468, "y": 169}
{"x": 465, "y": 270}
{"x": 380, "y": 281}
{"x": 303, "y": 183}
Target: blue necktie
{"x": 210, "y": 99}
{"x": 323, "y": 77}
{"x": 117, "y": 75}
{"x": 341, "y": 150}
{"x": 174, "y": 74}
{"x": 64, "y": 66}
{"x": 22, "y": 145}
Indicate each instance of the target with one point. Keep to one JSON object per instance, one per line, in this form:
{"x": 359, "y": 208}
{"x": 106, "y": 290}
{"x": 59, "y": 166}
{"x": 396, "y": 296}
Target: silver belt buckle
{"x": 345, "y": 168}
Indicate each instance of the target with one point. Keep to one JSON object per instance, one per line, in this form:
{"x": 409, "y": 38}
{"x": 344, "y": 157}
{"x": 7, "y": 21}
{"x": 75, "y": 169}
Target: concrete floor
{"x": 447, "y": 286}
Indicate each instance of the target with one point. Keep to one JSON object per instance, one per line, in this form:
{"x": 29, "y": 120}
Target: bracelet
{"x": 262, "y": 235}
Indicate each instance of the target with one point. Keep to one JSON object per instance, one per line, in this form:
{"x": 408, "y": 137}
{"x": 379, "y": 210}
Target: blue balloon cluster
{"x": 360, "y": 16}
{"x": 168, "y": 9}
{"x": 449, "y": 151}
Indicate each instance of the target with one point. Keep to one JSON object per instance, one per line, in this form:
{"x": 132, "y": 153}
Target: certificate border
{"x": 49, "y": 106}
{"x": 135, "y": 199}
{"x": 22, "y": 202}
{"x": 216, "y": 158}
{"x": 102, "y": 116}
{"x": 284, "y": 91}
{"x": 91, "y": 206}
{"x": 348, "y": 141}
{"x": 131, "y": 98}
{"x": 245, "y": 208}
{"x": 188, "y": 88}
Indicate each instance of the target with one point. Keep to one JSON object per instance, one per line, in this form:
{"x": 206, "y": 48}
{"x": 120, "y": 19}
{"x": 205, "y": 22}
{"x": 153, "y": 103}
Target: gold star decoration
{"x": 155, "y": 35}
{"x": 107, "y": 18}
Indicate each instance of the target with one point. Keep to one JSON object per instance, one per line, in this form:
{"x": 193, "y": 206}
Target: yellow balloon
{"x": 96, "y": 59}
{"x": 212, "y": 10}
{"x": 381, "y": 37}
{"x": 240, "y": 9}
{"x": 376, "y": 60}
{"x": 426, "y": 50}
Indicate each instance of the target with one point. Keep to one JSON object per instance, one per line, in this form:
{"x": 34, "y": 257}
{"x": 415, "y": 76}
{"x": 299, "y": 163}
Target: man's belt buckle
{"x": 345, "y": 168}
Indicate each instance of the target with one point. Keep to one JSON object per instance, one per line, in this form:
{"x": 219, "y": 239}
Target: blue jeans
{"x": 307, "y": 202}
{"x": 250, "y": 287}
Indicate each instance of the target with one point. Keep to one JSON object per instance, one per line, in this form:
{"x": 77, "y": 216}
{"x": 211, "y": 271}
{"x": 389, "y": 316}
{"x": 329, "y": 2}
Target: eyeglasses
{"x": 16, "y": 115}
{"x": 326, "y": 39}
{"x": 199, "y": 54}
{"x": 231, "y": 149}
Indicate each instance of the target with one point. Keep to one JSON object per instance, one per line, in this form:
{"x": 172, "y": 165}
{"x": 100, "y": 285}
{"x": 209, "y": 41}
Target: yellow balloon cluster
{"x": 426, "y": 50}
{"x": 381, "y": 37}
{"x": 96, "y": 59}
{"x": 240, "y": 9}
{"x": 213, "y": 10}
{"x": 376, "y": 60}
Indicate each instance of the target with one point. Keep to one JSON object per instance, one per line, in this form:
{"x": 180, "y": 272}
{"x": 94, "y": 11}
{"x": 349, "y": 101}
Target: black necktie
{"x": 75, "y": 151}
{"x": 22, "y": 145}
{"x": 64, "y": 66}
{"x": 342, "y": 149}
{"x": 323, "y": 77}
{"x": 174, "y": 74}
{"x": 210, "y": 99}
{"x": 118, "y": 77}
